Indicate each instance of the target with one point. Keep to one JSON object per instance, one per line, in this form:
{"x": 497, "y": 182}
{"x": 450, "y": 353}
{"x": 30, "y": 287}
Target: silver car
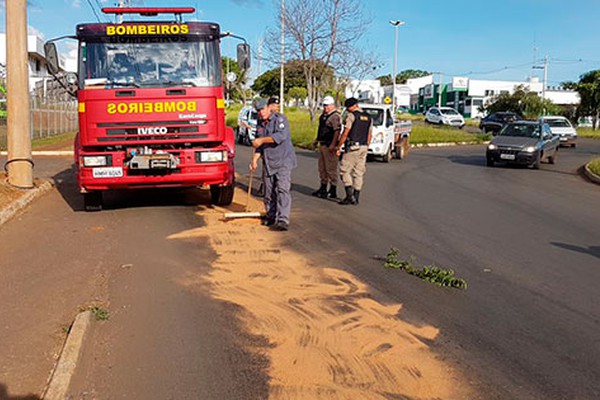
{"x": 562, "y": 127}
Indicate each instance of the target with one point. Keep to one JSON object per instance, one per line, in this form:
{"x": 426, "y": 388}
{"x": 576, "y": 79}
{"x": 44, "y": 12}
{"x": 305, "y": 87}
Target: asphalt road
{"x": 526, "y": 241}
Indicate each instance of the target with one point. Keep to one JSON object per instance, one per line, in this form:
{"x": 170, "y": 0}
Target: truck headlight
{"x": 94, "y": 161}
{"x": 378, "y": 138}
{"x": 529, "y": 149}
{"x": 211, "y": 156}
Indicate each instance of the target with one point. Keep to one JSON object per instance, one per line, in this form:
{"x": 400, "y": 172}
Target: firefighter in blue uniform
{"x": 273, "y": 144}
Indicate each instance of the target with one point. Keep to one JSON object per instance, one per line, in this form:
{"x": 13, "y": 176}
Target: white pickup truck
{"x": 390, "y": 138}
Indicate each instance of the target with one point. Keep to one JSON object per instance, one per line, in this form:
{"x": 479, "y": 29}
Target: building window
{"x": 38, "y": 66}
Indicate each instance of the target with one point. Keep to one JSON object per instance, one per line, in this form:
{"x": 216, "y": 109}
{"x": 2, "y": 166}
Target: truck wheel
{"x": 92, "y": 201}
{"x": 387, "y": 156}
{"x": 401, "y": 149}
{"x": 221, "y": 195}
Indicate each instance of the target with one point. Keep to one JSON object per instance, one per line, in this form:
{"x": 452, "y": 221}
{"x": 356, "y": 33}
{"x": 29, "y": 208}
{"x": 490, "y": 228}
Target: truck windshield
{"x": 376, "y": 115}
{"x": 185, "y": 62}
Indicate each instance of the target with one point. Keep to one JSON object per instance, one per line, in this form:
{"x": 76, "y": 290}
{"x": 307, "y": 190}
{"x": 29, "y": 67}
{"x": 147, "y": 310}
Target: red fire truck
{"x": 151, "y": 107}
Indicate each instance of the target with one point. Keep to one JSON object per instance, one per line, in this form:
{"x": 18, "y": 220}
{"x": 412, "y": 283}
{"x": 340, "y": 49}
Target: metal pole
{"x": 396, "y": 24}
{"x": 20, "y": 166}
{"x": 281, "y": 100}
{"x": 394, "y": 76}
{"x": 440, "y": 90}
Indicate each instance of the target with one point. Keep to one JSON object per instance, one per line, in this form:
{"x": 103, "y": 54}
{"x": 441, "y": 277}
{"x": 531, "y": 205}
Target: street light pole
{"x": 396, "y": 24}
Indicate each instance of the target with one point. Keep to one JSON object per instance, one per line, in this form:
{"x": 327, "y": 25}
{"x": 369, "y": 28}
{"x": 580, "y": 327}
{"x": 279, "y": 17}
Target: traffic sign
{"x": 387, "y": 100}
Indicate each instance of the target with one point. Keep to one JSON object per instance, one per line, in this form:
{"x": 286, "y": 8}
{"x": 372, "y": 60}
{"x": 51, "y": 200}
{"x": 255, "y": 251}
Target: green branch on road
{"x": 434, "y": 274}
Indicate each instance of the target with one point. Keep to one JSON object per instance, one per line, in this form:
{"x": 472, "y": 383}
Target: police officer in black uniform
{"x": 358, "y": 128}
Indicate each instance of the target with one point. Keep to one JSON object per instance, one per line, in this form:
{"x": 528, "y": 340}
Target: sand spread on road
{"x": 328, "y": 338}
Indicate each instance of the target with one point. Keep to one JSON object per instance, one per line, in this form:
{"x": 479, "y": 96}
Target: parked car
{"x": 525, "y": 143}
{"x": 562, "y": 127}
{"x": 389, "y": 137}
{"x": 247, "y": 120}
{"x": 444, "y": 116}
{"x": 496, "y": 121}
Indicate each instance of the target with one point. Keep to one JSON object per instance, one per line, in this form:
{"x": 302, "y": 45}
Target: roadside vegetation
{"x": 594, "y": 166}
{"x": 431, "y": 273}
{"x": 304, "y": 131}
{"x": 588, "y": 133}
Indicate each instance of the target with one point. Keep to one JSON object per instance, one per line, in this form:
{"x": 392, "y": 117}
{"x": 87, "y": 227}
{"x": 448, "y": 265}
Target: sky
{"x": 478, "y": 39}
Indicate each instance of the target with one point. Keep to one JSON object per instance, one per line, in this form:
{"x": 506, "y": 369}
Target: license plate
{"x": 564, "y": 139}
{"x": 108, "y": 172}
{"x": 507, "y": 156}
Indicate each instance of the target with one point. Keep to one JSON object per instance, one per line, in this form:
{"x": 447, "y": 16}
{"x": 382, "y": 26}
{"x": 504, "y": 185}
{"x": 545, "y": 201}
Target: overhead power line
{"x": 93, "y": 9}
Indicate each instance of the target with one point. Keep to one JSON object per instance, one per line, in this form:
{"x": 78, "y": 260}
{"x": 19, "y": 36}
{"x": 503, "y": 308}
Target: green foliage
{"x": 100, "y": 314}
{"x": 523, "y": 102}
{"x": 385, "y": 80}
{"x": 426, "y": 134}
{"x": 588, "y": 88}
{"x": 431, "y": 273}
{"x": 267, "y": 84}
{"x": 594, "y": 166}
{"x": 405, "y": 75}
{"x": 588, "y": 133}
{"x": 298, "y": 94}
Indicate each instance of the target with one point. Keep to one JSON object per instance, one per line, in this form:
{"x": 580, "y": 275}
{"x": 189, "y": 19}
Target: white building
{"x": 365, "y": 90}
{"x": 38, "y": 70}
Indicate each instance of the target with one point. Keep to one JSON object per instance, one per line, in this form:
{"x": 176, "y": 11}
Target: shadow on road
{"x": 591, "y": 250}
{"x": 66, "y": 184}
{"x": 4, "y": 395}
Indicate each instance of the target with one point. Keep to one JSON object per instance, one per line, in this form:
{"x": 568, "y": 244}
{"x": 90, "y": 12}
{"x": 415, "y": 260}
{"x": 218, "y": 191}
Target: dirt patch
{"x": 328, "y": 337}
{"x": 10, "y": 194}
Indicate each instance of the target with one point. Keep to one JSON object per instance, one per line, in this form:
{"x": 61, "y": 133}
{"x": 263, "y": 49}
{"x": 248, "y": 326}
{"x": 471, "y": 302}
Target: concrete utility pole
{"x": 440, "y": 90}
{"x": 19, "y": 164}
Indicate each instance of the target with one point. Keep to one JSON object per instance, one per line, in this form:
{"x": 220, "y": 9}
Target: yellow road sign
{"x": 387, "y": 100}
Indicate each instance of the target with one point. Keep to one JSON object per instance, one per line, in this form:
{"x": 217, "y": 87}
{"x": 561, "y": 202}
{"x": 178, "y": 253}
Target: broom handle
{"x": 250, "y": 183}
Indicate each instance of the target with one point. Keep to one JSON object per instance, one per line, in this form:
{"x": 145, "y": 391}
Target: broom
{"x": 246, "y": 213}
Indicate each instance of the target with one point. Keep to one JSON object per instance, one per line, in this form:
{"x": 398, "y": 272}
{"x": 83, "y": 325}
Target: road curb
{"x": 590, "y": 175}
{"x": 16, "y": 206}
{"x": 62, "y": 374}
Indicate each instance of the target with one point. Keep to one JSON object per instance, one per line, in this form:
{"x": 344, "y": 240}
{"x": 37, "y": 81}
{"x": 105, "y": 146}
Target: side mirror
{"x": 51, "y": 57}
{"x": 243, "y": 56}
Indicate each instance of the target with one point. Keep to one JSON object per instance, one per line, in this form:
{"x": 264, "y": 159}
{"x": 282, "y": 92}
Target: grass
{"x": 431, "y": 273}
{"x": 304, "y": 131}
{"x": 100, "y": 314}
{"x": 588, "y": 133}
{"x": 427, "y": 134}
{"x": 594, "y": 166}
{"x": 48, "y": 141}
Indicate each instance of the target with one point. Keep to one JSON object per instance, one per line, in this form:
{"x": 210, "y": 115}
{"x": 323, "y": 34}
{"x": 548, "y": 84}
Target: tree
{"x": 588, "y": 88}
{"x": 267, "y": 84}
{"x": 523, "y": 102}
{"x": 321, "y": 34}
{"x": 405, "y": 75}
{"x": 297, "y": 94}
{"x": 234, "y": 89}
{"x": 385, "y": 80}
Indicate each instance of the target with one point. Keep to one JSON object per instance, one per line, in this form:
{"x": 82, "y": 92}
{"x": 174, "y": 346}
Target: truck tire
{"x": 387, "y": 156}
{"x": 401, "y": 148}
{"x": 92, "y": 201}
{"x": 221, "y": 195}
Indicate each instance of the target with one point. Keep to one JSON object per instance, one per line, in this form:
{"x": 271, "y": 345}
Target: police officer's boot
{"x": 349, "y": 199}
{"x": 333, "y": 192}
{"x": 356, "y": 196}
{"x": 321, "y": 192}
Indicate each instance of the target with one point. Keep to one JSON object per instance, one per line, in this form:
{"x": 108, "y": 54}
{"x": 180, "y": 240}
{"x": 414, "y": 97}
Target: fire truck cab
{"x": 151, "y": 107}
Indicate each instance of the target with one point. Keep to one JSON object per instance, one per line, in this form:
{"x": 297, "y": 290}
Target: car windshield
{"x": 448, "y": 111}
{"x": 376, "y": 115}
{"x": 189, "y": 62}
{"x": 558, "y": 123}
{"x": 521, "y": 130}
